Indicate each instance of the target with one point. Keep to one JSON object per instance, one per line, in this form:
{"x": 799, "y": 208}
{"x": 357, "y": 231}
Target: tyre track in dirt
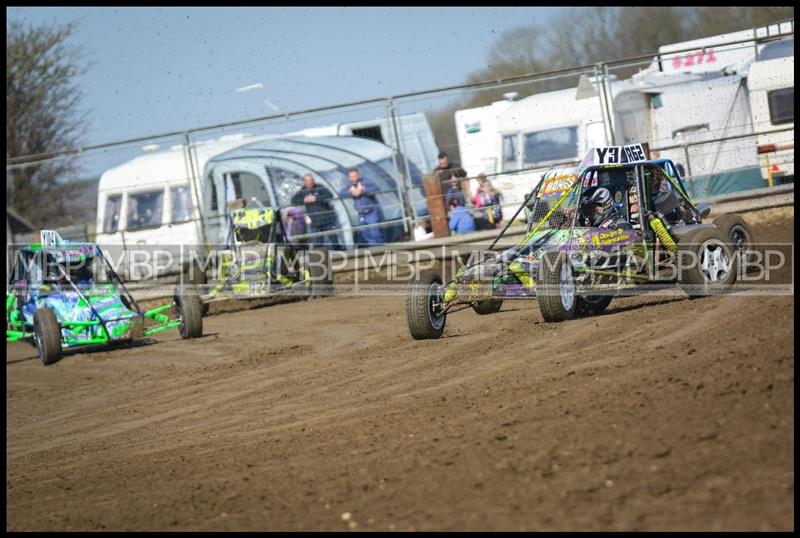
{"x": 660, "y": 414}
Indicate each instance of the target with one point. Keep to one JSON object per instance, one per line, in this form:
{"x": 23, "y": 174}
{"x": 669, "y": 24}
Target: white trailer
{"x": 544, "y": 129}
{"x": 476, "y": 129}
{"x": 771, "y": 84}
{"x": 154, "y": 201}
{"x": 681, "y": 99}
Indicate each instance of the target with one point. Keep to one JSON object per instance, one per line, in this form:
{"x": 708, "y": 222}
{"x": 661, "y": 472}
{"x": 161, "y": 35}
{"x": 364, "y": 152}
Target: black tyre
{"x": 591, "y": 305}
{"x": 423, "y": 292}
{"x": 319, "y": 267}
{"x": 555, "y": 287}
{"x": 738, "y": 232}
{"x": 47, "y": 335}
{"x": 190, "y": 311}
{"x": 705, "y": 262}
{"x": 487, "y": 307}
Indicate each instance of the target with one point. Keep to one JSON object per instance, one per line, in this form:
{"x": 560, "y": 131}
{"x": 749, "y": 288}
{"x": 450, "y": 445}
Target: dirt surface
{"x": 660, "y": 414}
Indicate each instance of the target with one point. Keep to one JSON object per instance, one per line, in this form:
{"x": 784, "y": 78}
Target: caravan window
{"x": 181, "y": 204}
{"x": 509, "y": 152}
{"x": 144, "y": 209}
{"x": 559, "y": 144}
{"x": 781, "y": 106}
{"x": 111, "y": 218}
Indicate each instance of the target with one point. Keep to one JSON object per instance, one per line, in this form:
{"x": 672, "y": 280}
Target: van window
{"x": 111, "y": 216}
{"x": 559, "y": 144}
{"x": 181, "y": 204}
{"x": 144, "y": 209}
{"x": 781, "y": 106}
{"x": 509, "y": 152}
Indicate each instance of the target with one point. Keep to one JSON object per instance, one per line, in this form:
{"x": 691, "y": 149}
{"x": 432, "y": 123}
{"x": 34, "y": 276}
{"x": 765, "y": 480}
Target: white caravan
{"x": 771, "y": 84}
{"x": 476, "y": 129}
{"x": 543, "y": 130}
{"x": 153, "y": 202}
{"x": 679, "y": 100}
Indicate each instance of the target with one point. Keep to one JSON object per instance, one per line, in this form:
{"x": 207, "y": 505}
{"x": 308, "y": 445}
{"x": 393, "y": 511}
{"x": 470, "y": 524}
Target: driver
{"x": 598, "y": 211}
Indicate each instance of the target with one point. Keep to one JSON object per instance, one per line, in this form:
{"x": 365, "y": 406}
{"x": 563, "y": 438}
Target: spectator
{"x": 318, "y": 208}
{"x": 295, "y": 222}
{"x": 489, "y": 199}
{"x": 461, "y": 220}
{"x": 366, "y": 203}
{"x": 454, "y": 191}
{"x": 446, "y": 170}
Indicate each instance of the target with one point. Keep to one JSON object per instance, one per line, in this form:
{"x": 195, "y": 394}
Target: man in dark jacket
{"x": 318, "y": 208}
{"x": 448, "y": 170}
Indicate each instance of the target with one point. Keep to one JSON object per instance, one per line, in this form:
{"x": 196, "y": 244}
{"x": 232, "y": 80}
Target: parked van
{"x": 771, "y": 83}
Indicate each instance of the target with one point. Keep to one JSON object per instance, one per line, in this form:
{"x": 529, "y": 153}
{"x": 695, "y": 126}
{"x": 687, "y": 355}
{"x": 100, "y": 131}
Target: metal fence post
{"x": 402, "y": 185}
{"x": 193, "y": 181}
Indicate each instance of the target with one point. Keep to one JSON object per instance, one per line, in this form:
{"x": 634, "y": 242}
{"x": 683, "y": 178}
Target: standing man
{"x": 366, "y": 203}
{"x": 318, "y": 208}
{"x": 448, "y": 170}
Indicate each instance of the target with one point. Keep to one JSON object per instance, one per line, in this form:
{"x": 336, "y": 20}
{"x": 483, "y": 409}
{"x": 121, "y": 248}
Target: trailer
{"x": 771, "y": 84}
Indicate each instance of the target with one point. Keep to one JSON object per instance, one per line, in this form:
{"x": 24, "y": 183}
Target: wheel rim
{"x": 714, "y": 262}
{"x": 739, "y": 239}
{"x": 182, "y": 325}
{"x": 566, "y": 287}
{"x": 434, "y": 298}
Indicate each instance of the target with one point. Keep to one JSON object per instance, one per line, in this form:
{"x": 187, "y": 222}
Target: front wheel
{"x": 555, "y": 287}
{"x": 190, "y": 311}
{"x": 423, "y": 302}
{"x": 47, "y": 335}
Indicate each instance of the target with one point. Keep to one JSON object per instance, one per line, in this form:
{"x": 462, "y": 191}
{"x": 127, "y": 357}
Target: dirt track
{"x": 661, "y": 414}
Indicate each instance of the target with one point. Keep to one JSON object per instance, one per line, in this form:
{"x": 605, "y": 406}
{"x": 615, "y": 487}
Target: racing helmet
{"x": 600, "y": 197}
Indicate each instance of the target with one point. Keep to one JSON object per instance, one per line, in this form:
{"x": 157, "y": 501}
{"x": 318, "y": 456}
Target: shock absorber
{"x": 662, "y": 232}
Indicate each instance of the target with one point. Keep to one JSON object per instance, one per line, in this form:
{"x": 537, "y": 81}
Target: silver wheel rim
{"x": 435, "y": 296}
{"x": 714, "y": 261}
{"x": 566, "y": 286}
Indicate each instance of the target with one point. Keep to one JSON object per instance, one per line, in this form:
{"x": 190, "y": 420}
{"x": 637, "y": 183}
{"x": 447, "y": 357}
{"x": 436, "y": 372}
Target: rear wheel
{"x": 555, "y": 287}
{"x": 738, "y": 232}
{"x": 47, "y": 335}
{"x": 190, "y": 311}
{"x": 705, "y": 262}
{"x": 487, "y": 307}
{"x": 423, "y": 297}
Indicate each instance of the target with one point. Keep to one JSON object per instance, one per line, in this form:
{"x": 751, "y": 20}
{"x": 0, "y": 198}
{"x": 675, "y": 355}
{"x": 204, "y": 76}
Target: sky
{"x": 154, "y": 70}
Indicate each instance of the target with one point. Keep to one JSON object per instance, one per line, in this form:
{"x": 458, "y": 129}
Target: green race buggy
{"x": 65, "y": 295}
